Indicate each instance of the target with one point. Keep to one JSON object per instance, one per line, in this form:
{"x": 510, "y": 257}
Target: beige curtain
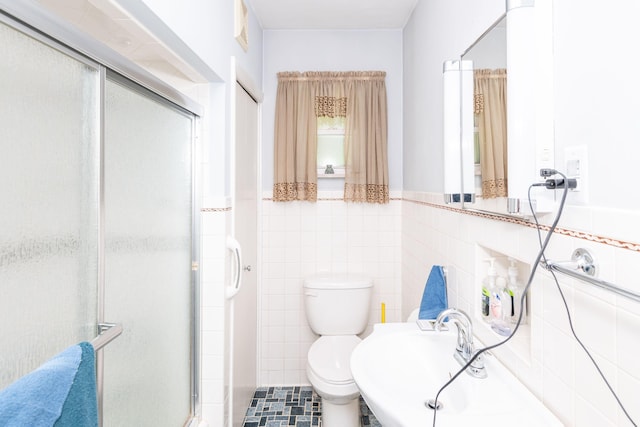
{"x": 295, "y": 174}
{"x": 366, "y": 164}
{"x": 491, "y": 118}
{"x": 358, "y": 96}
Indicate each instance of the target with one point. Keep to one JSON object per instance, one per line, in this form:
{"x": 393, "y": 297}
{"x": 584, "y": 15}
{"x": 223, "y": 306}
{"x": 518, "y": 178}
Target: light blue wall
{"x": 293, "y": 50}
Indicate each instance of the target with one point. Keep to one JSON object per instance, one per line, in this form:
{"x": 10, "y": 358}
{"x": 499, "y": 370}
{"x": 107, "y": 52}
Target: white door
{"x": 245, "y": 211}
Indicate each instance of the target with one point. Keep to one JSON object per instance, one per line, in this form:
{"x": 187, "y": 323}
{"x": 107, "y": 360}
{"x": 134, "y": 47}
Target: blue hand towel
{"x": 81, "y": 406}
{"x": 434, "y": 297}
{"x": 42, "y": 398}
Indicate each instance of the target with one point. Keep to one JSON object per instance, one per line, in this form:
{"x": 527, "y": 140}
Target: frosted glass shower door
{"x": 49, "y": 169}
{"x": 148, "y": 223}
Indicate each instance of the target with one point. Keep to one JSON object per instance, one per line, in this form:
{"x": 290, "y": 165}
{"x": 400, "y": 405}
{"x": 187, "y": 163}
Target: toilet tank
{"x": 337, "y": 304}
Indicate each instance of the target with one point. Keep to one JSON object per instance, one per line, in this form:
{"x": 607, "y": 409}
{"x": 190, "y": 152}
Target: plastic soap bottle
{"x": 500, "y": 308}
{"x": 488, "y": 288}
{"x": 515, "y": 290}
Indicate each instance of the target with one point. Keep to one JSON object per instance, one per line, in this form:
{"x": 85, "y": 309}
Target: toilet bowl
{"x": 329, "y": 370}
{"x": 337, "y": 308}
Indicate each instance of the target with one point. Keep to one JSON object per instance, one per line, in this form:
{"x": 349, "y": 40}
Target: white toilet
{"x": 337, "y": 308}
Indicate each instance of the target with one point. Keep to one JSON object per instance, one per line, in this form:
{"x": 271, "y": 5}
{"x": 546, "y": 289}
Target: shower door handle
{"x": 234, "y": 246}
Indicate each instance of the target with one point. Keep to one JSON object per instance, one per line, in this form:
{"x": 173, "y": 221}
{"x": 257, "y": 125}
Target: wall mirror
{"x": 505, "y": 116}
{"x": 487, "y": 86}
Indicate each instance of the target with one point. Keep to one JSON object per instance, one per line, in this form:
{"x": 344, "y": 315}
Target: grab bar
{"x": 107, "y": 332}
{"x": 581, "y": 260}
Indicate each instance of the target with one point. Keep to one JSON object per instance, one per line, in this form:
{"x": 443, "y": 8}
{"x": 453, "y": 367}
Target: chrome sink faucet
{"x": 464, "y": 347}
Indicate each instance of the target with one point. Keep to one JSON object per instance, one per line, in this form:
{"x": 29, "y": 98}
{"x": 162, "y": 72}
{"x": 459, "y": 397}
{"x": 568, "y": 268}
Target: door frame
{"x": 241, "y": 78}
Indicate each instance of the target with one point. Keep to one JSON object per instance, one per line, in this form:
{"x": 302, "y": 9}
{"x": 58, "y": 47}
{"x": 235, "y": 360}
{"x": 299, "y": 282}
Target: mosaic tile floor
{"x": 293, "y": 406}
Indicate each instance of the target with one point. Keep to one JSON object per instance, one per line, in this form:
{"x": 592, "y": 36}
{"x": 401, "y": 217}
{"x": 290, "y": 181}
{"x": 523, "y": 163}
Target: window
{"x": 302, "y": 99}
{"x": 331, "y": 147}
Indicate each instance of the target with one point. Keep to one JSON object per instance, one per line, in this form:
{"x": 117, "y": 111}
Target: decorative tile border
{"x": 332, "y": 199}
{"x": 609, "y": 241}
{"x": 564, "y": 231}
{"x": 227, "y": 209}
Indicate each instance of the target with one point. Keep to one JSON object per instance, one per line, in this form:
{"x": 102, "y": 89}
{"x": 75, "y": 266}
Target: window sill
{"x": 338, "y": 173}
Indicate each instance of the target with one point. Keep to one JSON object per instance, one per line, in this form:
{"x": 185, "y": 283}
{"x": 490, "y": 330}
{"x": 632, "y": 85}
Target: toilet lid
{"x": 337, "y": 281}
{"x": 329, "y": 358}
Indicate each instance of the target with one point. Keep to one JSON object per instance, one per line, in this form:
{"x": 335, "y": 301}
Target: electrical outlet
{"x": 575, "y": 161}
{"x": 573, "y": 171}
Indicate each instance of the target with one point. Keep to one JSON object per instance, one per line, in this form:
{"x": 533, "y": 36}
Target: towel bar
{"x": 582, "y": 267}
{"x": 107, "y": 332}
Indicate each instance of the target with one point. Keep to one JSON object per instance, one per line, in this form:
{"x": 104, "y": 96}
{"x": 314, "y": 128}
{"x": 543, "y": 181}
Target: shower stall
{"x": 97, "y": 225}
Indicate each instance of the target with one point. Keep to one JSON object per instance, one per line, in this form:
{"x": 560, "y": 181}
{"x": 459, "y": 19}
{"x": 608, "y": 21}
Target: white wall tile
{"x": 557, "y": 370}
{"x": 594, "y": 323}
{"x": 553, "y": 309}
{"x": 213, "y": 368}
{"x": 628, "y": 392}
{"x": 398, "y": 244}
{"x": 588, "y": 415}
{"x": 618, "y": 224}
{"x": 559, "y": 398}
{"x": 212, "y": 278}
{"x": 590, "y": 386}
{"x": 212, "y": 412}
{"x": 332, "y": 236}
{"x": 323, "y": 223}
{"x": 627, "y": 331}
{"x": 213, "y": 318}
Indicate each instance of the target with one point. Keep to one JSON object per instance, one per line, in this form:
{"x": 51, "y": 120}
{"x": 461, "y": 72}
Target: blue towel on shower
{"x": 60, "y": 393}
{"x": 434, "y": 297}
{"x": 81, "y": 406}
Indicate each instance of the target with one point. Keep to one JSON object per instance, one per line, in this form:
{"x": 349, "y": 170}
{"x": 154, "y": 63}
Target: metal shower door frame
{"x": 38, "y": 24}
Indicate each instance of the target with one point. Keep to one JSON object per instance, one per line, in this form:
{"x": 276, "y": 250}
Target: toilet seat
{"x": 329, "y": 358}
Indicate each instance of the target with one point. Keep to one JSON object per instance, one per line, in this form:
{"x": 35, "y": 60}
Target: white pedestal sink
{"x": 399, "y": 367}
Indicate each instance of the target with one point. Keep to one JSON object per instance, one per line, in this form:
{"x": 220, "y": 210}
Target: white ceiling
{"x": 332, "y": 14}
